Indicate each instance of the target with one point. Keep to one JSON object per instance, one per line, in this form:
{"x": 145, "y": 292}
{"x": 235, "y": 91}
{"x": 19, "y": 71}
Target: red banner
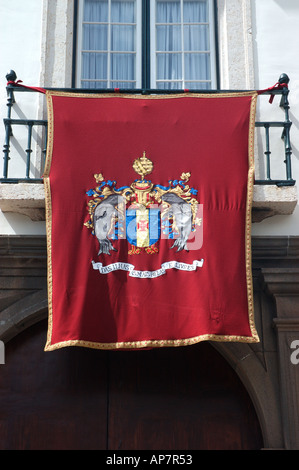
{"x": 148, "y": 209}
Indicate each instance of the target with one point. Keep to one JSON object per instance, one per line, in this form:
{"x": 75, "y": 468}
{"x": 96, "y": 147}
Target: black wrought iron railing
{"x": 9, "y": 124}
{"x": 285, "y": 125}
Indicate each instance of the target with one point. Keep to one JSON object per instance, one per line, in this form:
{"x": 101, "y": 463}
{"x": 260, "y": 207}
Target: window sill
{"x": 29, "y": 199}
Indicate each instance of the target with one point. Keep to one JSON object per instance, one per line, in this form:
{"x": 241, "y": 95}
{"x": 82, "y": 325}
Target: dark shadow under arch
{"x": 76, "y": 398}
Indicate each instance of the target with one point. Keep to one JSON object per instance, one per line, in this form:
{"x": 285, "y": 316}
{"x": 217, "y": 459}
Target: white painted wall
{"x": 275, "y": 30}
{"x": 29, "y": 29}
{"x": 20, "y": 49}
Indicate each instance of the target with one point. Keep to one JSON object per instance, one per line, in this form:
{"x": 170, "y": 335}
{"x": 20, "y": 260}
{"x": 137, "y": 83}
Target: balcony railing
{"x": 285, "y": 125}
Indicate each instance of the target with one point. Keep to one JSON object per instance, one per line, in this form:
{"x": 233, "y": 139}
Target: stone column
{"x": 283, "y": 284}
{"x": 235, "y": 44}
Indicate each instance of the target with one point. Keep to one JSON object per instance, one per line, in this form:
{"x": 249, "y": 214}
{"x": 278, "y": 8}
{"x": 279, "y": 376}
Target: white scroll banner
{"x": 119, "y": 266}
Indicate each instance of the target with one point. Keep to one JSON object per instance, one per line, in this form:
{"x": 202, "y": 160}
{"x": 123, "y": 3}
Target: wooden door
{"x": 166, "y": 399}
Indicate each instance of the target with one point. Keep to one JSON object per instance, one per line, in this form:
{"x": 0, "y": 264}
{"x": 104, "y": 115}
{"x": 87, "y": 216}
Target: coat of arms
{"x": 142, "y": 212}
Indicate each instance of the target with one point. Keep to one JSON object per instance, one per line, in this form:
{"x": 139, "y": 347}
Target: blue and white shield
{"x": 143, "y": 226}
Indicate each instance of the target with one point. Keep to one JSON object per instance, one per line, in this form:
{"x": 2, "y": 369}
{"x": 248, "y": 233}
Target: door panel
{"x": 52, "y": 400}
{"x": 179, "y": 398}
{"x": 165, "y": 399}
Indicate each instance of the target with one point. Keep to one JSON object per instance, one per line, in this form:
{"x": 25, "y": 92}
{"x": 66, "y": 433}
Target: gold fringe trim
{"x": 250, "y": 185}
{"x": 151, "y": 343}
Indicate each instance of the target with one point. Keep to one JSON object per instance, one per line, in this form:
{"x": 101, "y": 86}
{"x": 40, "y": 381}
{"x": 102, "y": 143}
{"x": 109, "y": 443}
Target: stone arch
{"x": 22, "y": 314}
{"x": 261, "y": 384}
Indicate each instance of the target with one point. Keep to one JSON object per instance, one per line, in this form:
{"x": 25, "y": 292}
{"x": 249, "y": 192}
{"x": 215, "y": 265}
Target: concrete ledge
{"x": 29, "y": 199}
{"x": 271, "y": 200}
{"x": 23, "y": 198}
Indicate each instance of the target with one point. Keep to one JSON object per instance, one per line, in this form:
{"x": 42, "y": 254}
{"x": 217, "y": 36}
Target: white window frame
{"x": 212, "y": 42}
{"x": 138, "y": 44}
{"x": 152, "y": 61}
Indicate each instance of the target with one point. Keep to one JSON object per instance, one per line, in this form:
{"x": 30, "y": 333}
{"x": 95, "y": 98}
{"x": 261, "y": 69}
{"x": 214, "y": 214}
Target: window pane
{"x": 95, "y": 37}
{"x": 168, "y": 11}
{"x": 169, "y": 66}
{"x": 122, "y": 11}
{"x": 169, "y": 85}
{"x": 122, "y": 38}
{"x": 123, "y": 66}
{"x": 182, "y": 27}
{"x": 169, "y": 38}
{"x": 109, "y": 26}
{"x": 118, "y": 84}
{"x": 94, "y": 84}
{"x": 198, "y": 85}
{"x": 196, "y": 38}
{"x": 195, "y": 11}
{"x": 94, "y": 65}
{"x": 95, "y": 10}
{"x": 197, "y": 67}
